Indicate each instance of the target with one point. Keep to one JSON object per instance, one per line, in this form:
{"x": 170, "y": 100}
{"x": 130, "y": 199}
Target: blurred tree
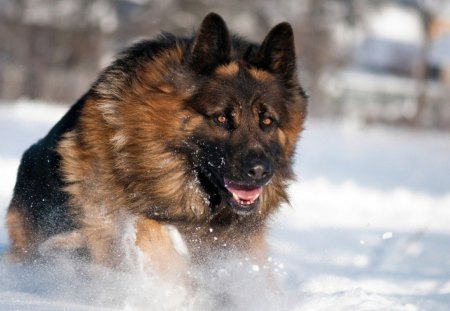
{"x": 51, "y": 51}
{"x": 422, "y": 74}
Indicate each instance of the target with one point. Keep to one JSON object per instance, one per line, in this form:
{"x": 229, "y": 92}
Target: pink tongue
{"x": 244, "y": 193}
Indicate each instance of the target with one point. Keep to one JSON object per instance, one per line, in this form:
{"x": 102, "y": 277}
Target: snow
{"x": 367, "y": 229}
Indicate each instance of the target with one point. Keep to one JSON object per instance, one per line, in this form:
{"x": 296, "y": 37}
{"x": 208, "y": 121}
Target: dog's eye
{"x": 222, "y": 119}
{"x": 267, "y": 121}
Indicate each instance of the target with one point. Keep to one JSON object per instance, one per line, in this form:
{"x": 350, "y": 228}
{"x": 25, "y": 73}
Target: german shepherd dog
{"x": 189, "y": 137}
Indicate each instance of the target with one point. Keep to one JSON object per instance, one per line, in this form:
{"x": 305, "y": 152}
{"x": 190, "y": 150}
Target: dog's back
{"x": 39, "y": 206}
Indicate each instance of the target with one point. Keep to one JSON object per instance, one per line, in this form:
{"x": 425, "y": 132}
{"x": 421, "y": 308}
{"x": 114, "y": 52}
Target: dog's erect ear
{"x": 212, "y": 44}
{"x": 277, "y": 52}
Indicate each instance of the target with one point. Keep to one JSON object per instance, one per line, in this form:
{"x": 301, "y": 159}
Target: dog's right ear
{"x": 212, "y": 44}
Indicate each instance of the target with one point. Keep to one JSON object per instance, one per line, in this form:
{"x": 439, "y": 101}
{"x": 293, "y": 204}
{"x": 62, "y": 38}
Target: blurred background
{"x": 369, "y": 60}
{"x": 368, "y": 226}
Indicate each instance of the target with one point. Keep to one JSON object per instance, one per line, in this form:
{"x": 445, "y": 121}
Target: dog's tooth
{"x": 236, "y": 197}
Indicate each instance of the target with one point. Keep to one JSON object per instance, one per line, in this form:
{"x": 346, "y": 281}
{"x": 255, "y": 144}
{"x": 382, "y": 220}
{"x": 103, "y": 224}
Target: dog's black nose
{"x": 259, "y": 172}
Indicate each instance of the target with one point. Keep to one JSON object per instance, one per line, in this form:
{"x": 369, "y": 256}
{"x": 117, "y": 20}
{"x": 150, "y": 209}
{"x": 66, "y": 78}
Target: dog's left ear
{"x": 212, "y": 44}
{"x": 277, "y": 52}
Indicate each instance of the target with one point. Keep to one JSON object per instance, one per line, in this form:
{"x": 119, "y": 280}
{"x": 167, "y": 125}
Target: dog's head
{"x": 245, "y": 116}
{"x": 228, "y": 110}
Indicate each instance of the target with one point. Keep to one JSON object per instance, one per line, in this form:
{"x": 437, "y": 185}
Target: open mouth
{"x": 243, "y": 198}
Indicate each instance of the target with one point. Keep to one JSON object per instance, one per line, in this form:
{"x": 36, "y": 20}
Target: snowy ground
{"x": 369, "y": 229}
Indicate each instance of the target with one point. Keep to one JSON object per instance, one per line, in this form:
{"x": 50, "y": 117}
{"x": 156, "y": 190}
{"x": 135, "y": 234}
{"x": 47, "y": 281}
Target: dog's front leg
{"x": 163, "y": 247}
{"x": 258, "y": 251}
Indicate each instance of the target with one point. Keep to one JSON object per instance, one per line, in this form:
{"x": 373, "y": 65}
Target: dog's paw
{"x": 63, "y": 243}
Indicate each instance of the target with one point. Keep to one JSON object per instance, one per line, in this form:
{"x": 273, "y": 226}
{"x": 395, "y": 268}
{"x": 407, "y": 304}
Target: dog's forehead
{"x": 241, "y": 70}
{"x": 244, "y": 84}
{"x": 235, "y": 87}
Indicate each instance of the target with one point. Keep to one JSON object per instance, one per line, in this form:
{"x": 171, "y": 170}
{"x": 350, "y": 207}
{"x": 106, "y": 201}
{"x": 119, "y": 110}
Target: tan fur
{"x": 154, "y": 241}
{"x": 261, "y": 75}
{"x": 24, "y": 238}
{"x": 228, "y": 70}
{"x": 292, "y": 133}
{"x": 90, "y": 168}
